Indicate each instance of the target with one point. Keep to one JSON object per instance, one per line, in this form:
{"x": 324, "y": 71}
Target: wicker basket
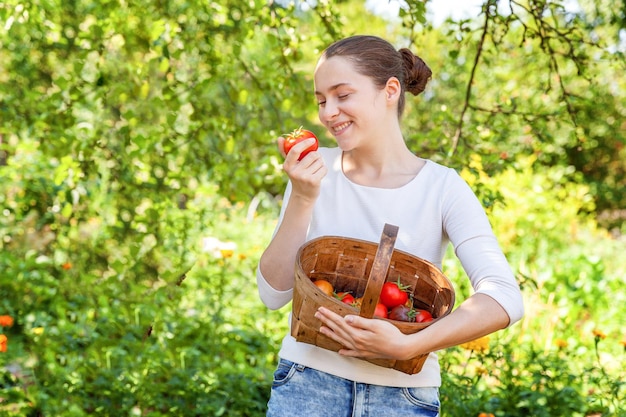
{"x": 362, "y": 268}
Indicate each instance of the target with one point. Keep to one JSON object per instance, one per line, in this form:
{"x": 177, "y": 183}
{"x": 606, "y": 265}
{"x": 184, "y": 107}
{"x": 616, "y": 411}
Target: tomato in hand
{"x": 422, "y": 316}
{"x": 298, "y": 136}
{"x": 380, "y": 311}
{"x": 394, "y": 294}
{"x": 325, "y": 286}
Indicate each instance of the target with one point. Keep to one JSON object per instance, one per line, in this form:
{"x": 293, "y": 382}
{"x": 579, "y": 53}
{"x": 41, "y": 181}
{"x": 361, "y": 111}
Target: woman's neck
{"x": 382, "y": 167}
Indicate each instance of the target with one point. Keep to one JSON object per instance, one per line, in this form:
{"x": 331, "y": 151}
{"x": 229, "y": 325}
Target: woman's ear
{"x": 393, "y": 89}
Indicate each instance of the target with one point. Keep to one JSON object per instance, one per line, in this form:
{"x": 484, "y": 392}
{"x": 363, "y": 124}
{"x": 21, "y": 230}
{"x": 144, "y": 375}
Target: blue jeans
{"x": 300, "y": 391}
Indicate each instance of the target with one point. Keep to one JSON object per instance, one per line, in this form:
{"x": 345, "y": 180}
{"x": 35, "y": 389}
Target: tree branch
{"x": 468, "y": 91}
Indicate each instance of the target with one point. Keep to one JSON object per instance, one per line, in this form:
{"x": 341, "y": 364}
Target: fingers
{"x": 361, "y": 337}
{"x": 307, "y": 174}
{"x": 348, "y": 331}
{"x": 334, "y": 320}
{"x": 333, "y": 326}
{"x": 280, "y": 142}
{"x": 296, "y": 150}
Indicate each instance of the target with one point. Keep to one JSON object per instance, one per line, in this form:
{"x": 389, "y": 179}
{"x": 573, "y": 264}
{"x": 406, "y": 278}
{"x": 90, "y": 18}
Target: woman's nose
{"x": 329, "y": 111}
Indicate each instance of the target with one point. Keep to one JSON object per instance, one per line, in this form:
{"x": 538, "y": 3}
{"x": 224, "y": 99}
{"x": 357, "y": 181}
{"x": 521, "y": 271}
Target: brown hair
{"x": 378, "y": 59}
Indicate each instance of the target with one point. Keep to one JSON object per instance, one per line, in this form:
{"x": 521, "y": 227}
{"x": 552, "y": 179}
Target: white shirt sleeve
{"x": 271, "y": 297}
{"x": 478, "y": 250}
{"x": 490, "y": 274}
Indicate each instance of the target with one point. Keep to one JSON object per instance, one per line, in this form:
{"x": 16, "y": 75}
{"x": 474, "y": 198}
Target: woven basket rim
{"x": 368, "y": 242}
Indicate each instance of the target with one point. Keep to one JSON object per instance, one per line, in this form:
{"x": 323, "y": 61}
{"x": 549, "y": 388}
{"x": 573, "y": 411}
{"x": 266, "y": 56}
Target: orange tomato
{"x": 325, "y": 286}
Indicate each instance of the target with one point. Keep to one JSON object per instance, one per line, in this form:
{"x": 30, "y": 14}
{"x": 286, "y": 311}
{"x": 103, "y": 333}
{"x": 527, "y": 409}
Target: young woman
{"x": 369, "y": 179}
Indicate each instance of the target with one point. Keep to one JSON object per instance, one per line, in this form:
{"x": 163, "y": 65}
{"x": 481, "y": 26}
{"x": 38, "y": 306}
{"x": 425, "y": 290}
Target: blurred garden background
{"x": 140, "y": 181}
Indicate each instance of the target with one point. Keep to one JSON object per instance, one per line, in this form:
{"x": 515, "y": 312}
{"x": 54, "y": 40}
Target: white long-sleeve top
{"x": 436, "y": 208}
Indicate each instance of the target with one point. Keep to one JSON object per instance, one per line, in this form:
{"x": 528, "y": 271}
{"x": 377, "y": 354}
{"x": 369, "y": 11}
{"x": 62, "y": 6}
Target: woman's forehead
{"x": 333, "y": 71}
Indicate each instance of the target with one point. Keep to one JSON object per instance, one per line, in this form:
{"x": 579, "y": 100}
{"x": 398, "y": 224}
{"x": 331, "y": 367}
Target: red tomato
{"x": 325, "y": 286}
{"x": 393, "y": 294}
{"x": 422, "y": 316}
{"x": 345, "y": 297}
{"x": 298, "y": 136}
{"x": 380, "y": 311}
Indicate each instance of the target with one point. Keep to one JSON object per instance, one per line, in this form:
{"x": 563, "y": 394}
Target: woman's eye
{"x": 343, "y": 96}
{"x": 321, "y": 103}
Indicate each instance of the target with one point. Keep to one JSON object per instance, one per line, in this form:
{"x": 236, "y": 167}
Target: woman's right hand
{"x": 305, "y": 175}
{"x": 278, "y": 259}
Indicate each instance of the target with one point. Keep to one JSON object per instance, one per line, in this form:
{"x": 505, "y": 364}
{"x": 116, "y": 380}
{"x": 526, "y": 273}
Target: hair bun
{"x": 417, "y": 72}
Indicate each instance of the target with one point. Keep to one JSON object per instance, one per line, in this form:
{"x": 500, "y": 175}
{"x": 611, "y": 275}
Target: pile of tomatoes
{"x": 394, "y": 302}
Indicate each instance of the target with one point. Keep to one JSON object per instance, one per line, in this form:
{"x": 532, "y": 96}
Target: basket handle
{"x": 379, "y": 270}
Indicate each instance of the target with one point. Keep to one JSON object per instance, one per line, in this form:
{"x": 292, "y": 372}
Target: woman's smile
{"x": 340, "y": 128}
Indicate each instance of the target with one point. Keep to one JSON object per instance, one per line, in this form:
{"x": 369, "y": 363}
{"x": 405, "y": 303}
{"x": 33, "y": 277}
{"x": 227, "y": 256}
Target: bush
{"x": 566, "y": 355}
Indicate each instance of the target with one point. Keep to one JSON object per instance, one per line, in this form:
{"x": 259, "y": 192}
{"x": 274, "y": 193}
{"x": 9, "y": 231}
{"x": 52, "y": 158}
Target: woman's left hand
{"x": 364, "y": 338}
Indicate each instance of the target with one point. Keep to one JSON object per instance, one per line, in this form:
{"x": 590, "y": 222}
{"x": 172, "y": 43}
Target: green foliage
{"x": 533, "y": 205}
{"x": 507, "y": 380}
{"x": 158, "y": 327}
{"x": 153, "y": 94}
{"x": 566, "y": 357}
{"x": 153, "y": 91}
{"x": 527, "y": 79}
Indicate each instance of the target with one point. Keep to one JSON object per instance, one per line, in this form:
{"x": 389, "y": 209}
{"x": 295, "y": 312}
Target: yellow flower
{"x": 599, "y": 334}
{"x": 481, "y": 344}
{"x": 481, "y": 371}
{"x": 38, "y": 330}
{"x": 217, "y": 248}
{"x": 560, "y": 343}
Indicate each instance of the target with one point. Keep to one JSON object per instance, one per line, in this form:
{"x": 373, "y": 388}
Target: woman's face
{"x": 350, "y": 105}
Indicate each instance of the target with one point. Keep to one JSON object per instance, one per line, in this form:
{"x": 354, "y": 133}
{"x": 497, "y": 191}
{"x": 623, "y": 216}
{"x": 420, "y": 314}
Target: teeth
{"x": 341, "y": 126}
